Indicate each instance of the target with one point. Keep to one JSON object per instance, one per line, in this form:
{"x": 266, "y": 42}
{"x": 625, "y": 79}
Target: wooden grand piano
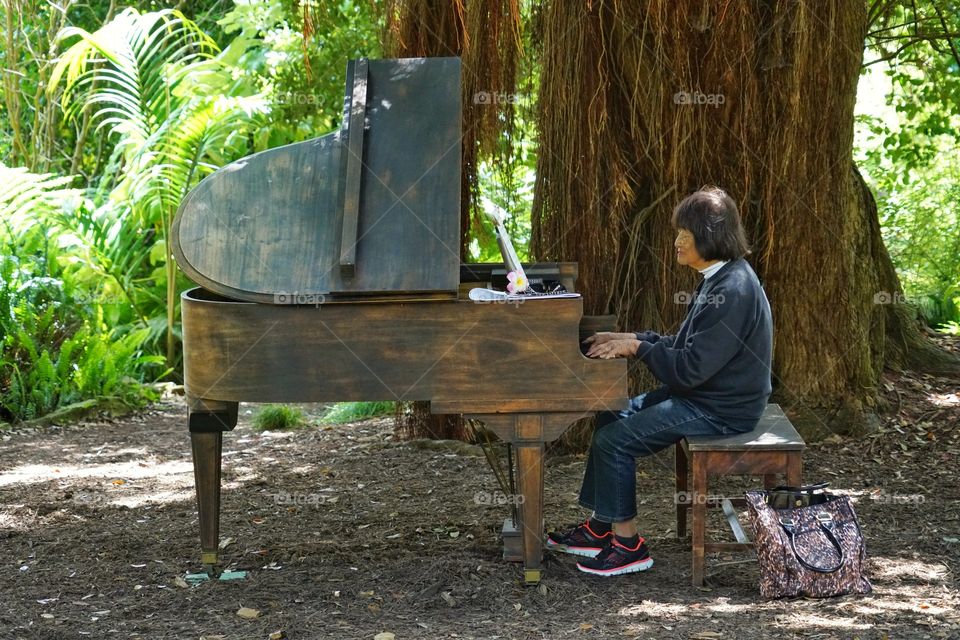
{"x": 329, "y": 270}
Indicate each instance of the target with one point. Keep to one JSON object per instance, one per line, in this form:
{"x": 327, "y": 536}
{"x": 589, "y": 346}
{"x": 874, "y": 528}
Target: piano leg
{"x": 207, "y": 449}
{"x": 528, "y": 432}
{"x": 208, "y": 420}
{"x": 530, "y": 485}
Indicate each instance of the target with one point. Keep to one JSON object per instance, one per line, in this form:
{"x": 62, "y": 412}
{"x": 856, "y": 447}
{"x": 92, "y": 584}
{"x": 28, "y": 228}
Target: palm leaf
{"x": 24, "y": 196}
{"x": 139, "y": 75}
{"x": 129, "y": 68}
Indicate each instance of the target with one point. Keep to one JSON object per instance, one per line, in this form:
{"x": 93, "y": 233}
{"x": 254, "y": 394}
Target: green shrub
{"x": 354, "y": 411}
{"x": 278, "y": 417}
{"x": 56, "y": 347}
{"x": 952, "y": 328}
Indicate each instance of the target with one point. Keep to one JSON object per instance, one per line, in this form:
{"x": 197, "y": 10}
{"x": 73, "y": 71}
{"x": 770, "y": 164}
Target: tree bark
{"x": 642, "y": 103}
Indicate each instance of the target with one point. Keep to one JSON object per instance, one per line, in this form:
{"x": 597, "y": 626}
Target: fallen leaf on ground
{"x": 247, "y": 613}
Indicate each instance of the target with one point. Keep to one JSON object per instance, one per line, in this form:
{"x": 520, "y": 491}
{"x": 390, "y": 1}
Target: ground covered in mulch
{"x": 348, "y": 533}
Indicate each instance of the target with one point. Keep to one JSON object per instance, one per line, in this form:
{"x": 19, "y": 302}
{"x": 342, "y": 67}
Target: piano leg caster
{"x": 209, "y": 560}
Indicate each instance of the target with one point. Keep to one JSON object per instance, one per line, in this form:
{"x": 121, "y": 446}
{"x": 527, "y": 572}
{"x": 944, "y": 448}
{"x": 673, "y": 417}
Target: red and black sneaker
{"x": 617, "y": 559}
{"x": 580, "y": 541}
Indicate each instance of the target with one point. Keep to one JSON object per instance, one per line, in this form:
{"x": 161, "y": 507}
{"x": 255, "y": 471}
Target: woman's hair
{"x": 712, "y": 217}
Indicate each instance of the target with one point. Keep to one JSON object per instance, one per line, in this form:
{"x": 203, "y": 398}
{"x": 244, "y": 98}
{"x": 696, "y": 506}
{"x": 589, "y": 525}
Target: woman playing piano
{"x": 715, "y": 375}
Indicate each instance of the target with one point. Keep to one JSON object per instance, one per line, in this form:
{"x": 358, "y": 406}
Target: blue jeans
{"x": 652, "y": 422}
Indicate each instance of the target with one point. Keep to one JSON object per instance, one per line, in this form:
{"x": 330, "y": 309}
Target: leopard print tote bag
{"x": 809, "y": 545}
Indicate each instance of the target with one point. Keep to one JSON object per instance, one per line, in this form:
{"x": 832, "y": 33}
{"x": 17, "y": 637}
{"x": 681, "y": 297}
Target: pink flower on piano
{"x": 515, "y": 282}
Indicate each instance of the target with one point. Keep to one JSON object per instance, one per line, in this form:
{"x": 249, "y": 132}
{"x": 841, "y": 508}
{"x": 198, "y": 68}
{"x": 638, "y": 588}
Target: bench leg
{"x": 699, "y": 518}
{"x": 770, "y": 481}
{"x": 681, "y": 497}
{"x": 794, "y": 469}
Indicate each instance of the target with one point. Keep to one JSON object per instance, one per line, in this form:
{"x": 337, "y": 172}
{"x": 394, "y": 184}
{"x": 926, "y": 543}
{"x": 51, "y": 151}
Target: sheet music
{"x": 480, "y": 294}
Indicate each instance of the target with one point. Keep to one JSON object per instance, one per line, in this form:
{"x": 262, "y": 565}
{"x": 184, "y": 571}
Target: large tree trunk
{"x": 643, "y": 102}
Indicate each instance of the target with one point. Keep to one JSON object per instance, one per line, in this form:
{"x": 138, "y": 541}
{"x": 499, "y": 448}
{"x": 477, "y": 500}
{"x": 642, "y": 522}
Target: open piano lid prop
{"x": 373, "y": 208}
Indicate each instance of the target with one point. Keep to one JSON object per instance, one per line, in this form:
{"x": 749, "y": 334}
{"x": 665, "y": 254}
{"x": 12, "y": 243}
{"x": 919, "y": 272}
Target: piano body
{"x": 329, "y": 270}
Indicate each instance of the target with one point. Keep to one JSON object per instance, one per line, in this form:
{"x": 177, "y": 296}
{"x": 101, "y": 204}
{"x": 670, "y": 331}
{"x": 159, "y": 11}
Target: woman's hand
{"x": 614, "y": 348}
{"x": 607, "y": 336}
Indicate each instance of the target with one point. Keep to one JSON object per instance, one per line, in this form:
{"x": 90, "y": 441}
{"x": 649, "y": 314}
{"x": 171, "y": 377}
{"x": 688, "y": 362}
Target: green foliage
{"x": 506, "y": 177}
{"x": 506, "y": 185}
{"x": 152, "y": 104}
{"x": 175, "y": 111}
{"x": 909, "y": 44}
{"x": 910, "y": 151}
{"x": 920, "y": 222}
{"x": 278, "y": 417}
{"x": 952, "y": 328}
{"x": 29, "y": 132}
{"x": 353, "y": 411}
{"x": 23, "y": 193}
{"x": 55, "y": 347}
{"x": 298, "y": 55}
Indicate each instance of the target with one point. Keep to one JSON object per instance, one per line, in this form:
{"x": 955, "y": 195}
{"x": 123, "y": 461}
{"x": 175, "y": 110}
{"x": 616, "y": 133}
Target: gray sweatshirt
{"x": 720, "y": 358}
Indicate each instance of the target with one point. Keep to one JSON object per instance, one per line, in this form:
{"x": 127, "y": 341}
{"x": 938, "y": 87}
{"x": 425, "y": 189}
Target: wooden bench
{"x": 773, "y": 447}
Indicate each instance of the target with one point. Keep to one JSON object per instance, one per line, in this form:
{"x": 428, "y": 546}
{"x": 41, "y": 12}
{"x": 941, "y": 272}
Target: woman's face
{"x": 687, "y": 250}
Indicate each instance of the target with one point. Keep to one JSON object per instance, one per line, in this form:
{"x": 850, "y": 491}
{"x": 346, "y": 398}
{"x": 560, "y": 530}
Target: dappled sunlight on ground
{"x": 944, "y": 399}
{"x": 653, "y": 609}
{"x": 892, "y": 568}
{"x": 887, "y": 604}
{"x": 346, "y": 532}
{"x": 119, "y": 471}
{"x": 803, "y": 621}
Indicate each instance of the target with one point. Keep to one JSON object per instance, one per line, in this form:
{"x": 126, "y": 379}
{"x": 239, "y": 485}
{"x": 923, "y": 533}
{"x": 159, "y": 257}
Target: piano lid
{"x": 372, "y": 208}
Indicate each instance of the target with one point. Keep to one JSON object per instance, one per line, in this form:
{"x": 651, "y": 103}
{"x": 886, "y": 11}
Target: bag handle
{"x": 807, "y": 488}
{"x": 826, "y": 523}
